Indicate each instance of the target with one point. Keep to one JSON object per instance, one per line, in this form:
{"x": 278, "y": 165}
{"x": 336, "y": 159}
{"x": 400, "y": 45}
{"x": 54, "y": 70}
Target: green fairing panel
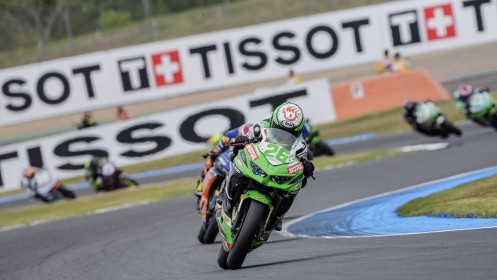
{"x": 292, "y": 171}
{"x": 481, "y": 105}
{"x": 427, "y": 113}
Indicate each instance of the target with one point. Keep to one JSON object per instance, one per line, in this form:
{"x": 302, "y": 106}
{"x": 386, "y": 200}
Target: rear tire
{"x": 67, "y": 193}
{"x": 222, "y": 258}
{"x": 249, "y": 227}
{"x": 323, "y": 149}
{"x": 128, "y": 182}
{"x": 211, "y": 231}
{"x": 201, "y": 234}
{"x": 452, "y": 128}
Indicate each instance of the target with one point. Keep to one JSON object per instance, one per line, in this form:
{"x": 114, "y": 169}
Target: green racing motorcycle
{"x": 431, "y": 117}
{"x": 316, "y": 146}
{"x": 482, "y": 108}
{"x": 271, "y": 171}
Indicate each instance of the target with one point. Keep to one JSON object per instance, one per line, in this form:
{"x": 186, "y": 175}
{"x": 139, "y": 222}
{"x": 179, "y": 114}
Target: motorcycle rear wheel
{"x": 452, "y": 128}
{"x": 128, "y": 182}
{"x": 67, "y": 193}
{"x": 323, "y": 149}
{"x": 211, "y": 231}
{"x": 201, "y": 233}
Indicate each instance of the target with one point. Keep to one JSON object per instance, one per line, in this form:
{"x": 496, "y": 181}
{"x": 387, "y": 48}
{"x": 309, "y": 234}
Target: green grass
{"x": 188, "y": 158}
{"x": 154, "y": 192}
{"x": 89, "y": 204}
{"x": 476, "y": 200}
{"x": 11, "y": 193}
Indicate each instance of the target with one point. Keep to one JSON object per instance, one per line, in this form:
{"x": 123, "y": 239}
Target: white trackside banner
{"x": 239, "y": 56}
{"x": 159, "y": 135}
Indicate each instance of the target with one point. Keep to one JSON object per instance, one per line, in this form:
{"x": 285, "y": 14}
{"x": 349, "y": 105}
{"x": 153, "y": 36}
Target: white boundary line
{"x": 286, "y": 233}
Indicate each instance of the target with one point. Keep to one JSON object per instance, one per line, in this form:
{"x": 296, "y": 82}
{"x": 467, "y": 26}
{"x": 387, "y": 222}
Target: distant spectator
{"x": 294, "y": 79}
{"x": 122, "y": 114}
{"x": 399, "y": 64}
{"x": 384, "y": 64}
{"x": 87, "y": 121}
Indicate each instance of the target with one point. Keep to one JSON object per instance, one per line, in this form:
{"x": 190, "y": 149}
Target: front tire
{"x": 254, "y": 216}
{"x": 222, "y": 259}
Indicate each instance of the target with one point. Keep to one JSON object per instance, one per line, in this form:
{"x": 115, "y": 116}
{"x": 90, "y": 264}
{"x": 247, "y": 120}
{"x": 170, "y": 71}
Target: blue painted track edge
{"x": 427, "y": 188}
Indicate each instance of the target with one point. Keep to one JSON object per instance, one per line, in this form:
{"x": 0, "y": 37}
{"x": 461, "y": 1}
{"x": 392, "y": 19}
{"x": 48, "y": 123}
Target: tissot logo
{"x": 167, "y": 68}
{"x": 133, "y": 73}
{"x": 440, "y": 22}
{"x": 404, "y": 28}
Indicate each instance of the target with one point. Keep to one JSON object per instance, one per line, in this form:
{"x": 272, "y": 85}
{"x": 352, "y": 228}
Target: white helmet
{"x": 289, "y": 117}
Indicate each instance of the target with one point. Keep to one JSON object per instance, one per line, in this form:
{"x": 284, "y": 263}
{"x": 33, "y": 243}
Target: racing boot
{"x": 199, "y": 188}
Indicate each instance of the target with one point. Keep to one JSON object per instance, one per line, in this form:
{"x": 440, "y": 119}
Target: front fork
{"x": 228, "y": 226}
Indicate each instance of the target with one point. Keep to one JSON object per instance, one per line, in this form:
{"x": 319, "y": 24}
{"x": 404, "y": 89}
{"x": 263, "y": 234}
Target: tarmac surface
{"x": 158, "y": 240}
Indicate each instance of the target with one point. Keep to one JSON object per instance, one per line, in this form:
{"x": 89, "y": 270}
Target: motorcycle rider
{"x": 289, "y": 117}
{"x": 462, "y": 95}
{"x": 204, "y": 184}
{"x": 93, "y": 171}
{"x": 410, "y": 117}
{"x": 31, "y": 179}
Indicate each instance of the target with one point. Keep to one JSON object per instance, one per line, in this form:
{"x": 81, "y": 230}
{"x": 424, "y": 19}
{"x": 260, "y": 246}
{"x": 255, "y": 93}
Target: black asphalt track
{"x": 158, "y": 241}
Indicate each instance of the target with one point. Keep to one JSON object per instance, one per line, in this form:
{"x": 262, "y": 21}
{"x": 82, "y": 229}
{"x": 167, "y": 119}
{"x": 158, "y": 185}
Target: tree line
{"x": 24, "y": 23}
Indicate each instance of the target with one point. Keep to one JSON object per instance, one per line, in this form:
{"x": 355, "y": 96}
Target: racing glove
{"x": 308, "y": 168}
{"x": 212, "y": 154}
{"x": 238, "y": 143}
{"x": 241, "y": 139}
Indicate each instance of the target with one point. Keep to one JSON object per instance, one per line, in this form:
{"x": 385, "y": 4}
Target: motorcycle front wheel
{"x": 222, "y": 259}
{"x": 248, "y": 228}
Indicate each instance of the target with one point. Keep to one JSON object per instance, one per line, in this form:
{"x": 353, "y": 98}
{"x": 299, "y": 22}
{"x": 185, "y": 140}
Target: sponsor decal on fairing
{"x": 252, "y": 152}
{"x": 298, "y": 167}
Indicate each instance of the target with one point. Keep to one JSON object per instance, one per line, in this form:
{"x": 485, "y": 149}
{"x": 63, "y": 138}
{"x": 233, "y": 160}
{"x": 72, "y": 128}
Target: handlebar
{"x": 253, "y": 140}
